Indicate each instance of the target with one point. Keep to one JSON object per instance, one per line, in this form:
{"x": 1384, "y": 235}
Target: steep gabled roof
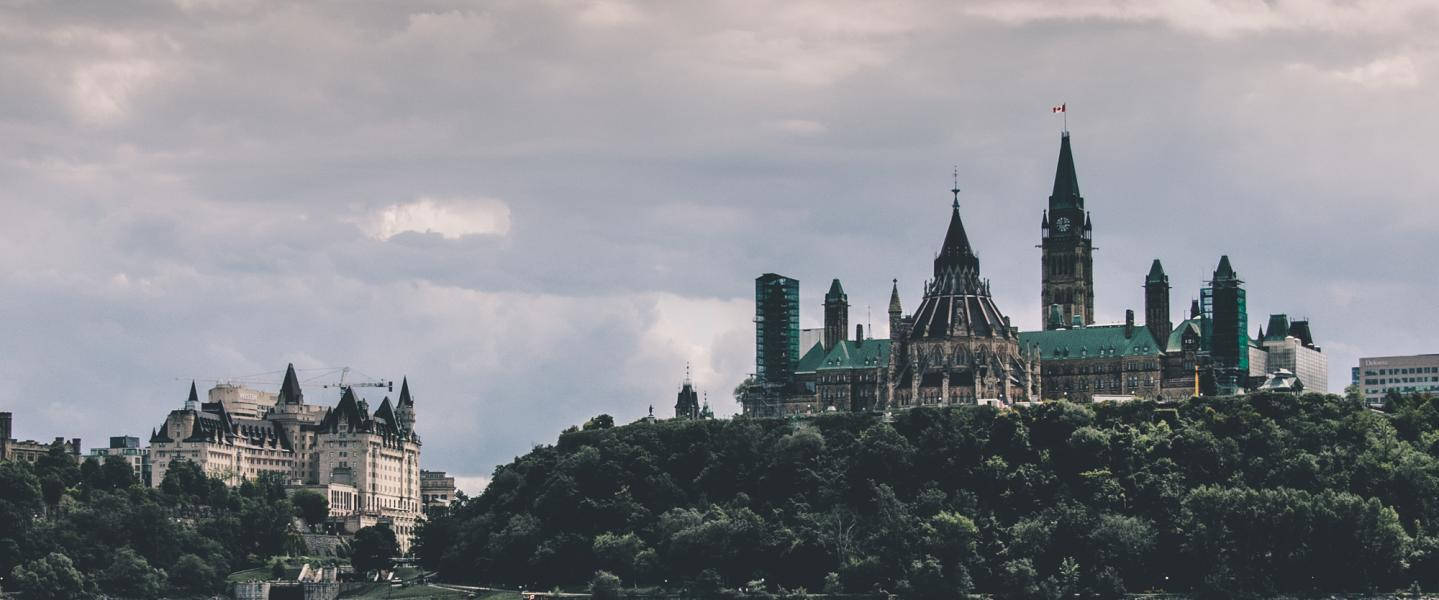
{"x": 1176, "y": 337}
{"x": 347, "y": 411}
{"x": 194, "y": 395}
{"x": 812, "y": 359}
{"x": 836, "y": 291}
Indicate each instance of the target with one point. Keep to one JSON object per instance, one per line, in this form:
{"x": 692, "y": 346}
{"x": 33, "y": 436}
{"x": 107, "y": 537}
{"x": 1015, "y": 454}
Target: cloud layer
{"x": 540, "y": 211}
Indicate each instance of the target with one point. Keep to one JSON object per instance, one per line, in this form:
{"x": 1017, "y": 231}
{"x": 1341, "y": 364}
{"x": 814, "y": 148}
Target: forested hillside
{"x": 69, "y": 531}
{"x": 1219, "y": 496}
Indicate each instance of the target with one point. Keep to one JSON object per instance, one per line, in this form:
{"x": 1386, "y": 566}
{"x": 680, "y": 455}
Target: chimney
{"x": 859, "y": 333}
{"x": 5, "y": 420}
{"x": 1128, "y": 324}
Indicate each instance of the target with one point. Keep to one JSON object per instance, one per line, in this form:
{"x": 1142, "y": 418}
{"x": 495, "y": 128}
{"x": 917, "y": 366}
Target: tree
{"x": 600, "y": 422}
{"x": 373, "y": 548}
{"x": 52, "y": 577}
{"x": 624, "y": 553}
{"x": 116, "y": 473}
{"x": 193, "y": 576}
{"x": 605, "y": 586}
{"x": 131, "y": 576}
{"x": 312, "y": 507}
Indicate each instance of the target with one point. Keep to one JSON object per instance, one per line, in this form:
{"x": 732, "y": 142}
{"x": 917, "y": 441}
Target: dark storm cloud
{"x": 541, "y": 210}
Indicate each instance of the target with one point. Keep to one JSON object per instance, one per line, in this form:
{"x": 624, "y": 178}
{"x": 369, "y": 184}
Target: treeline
{"x": 70, "y": 531}
{"x": 1222, "y": 497}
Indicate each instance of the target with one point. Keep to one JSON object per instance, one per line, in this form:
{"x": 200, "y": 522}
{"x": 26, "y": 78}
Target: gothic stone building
{"x": 367, "y": 464}
{"x": 957, "y": 347}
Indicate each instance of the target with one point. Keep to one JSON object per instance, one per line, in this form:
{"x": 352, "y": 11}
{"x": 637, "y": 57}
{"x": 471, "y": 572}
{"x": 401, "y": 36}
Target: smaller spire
{"x": 835, "y": 290}
{"x": 894, "y": 307}
{"x": 955, "y": 189}
{"x": 194, "y": 400}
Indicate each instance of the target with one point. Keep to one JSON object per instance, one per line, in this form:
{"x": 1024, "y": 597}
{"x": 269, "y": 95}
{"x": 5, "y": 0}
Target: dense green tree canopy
{"x": 133, "y": 541}
{"x": 1223, "y": 496}
{"x": 373, "y": 548}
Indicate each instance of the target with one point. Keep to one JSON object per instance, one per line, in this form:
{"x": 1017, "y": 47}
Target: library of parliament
{"x": 958, "y": 347}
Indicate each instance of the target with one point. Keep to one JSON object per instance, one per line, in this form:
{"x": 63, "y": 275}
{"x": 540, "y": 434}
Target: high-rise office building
{"x": 1411, "y": 374}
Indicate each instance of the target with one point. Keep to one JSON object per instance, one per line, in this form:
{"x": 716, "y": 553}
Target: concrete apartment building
{"x": 126, "y": 447}
{"x": 436, "y": 488}
{"x": 367, "y": 464}
{"x": 1379, "y": 375}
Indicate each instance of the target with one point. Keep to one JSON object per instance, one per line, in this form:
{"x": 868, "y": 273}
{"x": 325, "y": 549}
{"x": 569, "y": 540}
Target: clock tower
{"x": 1065, "y": 237}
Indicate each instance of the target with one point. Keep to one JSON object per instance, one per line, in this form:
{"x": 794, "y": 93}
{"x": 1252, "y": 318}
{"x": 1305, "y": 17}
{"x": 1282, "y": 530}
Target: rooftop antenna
{"x": 687, "y": 372}
{"x": 868, "y": 320}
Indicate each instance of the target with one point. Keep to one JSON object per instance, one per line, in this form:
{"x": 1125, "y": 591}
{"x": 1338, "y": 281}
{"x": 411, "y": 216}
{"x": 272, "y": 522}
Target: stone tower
{"x": 1156, "y": 303}
{"x": 1066, "y": 240}
{"x": 836, "y": 315}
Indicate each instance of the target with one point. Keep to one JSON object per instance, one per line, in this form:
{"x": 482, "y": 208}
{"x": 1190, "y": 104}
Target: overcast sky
{"x": 540, "y": 210}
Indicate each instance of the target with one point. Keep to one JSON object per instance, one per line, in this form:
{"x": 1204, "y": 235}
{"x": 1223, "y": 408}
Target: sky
{"x": 542, "y": 210}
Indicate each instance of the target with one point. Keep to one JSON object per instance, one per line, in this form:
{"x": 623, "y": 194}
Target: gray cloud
{"x": 191, "y": 188}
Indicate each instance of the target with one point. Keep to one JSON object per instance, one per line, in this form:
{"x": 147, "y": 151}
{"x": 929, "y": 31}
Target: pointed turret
{"x": 193, "y": 402}
{"x": 1066, "y": 181}
{"x": 405, "y": 399}
{"x": 1156, "y": 273}
{"x": 290, "y": 390}
{"x": 836, "y": 316}
{"x": 1224, "y": 271}
{"x": 1156, "y": 302}
{"x": 405, "y": 408}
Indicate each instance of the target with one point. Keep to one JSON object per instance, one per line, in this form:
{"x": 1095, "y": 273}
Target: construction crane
{"x": 344, "y": 371}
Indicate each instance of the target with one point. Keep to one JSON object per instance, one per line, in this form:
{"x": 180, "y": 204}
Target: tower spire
{"x": 955, "y": 190}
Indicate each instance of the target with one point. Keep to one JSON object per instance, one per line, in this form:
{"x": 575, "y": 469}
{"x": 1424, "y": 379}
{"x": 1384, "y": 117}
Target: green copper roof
{"x": 1091, "y": 342}
{"x": 1066, "y": 182}
{"x": 1176, "y": 337}
{"x": 1156, "y": 273}
{"x": 811, "y": 360}
{"x": 1278, "y": 327}
{"x": 835, "y": 290}
{"x": 849, "y": 354}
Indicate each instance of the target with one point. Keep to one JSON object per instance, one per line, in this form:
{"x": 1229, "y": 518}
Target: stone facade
{"x": 367, "y": 464}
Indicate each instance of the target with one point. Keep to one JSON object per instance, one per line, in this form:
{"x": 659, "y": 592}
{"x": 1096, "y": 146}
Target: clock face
{"x": 1062, "y": 223}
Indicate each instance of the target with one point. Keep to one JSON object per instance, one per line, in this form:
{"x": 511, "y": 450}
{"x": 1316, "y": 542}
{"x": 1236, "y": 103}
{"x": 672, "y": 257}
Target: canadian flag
{"x": 1056, "y": 109}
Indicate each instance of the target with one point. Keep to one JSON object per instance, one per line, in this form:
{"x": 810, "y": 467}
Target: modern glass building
{"x": 776, "y": 322}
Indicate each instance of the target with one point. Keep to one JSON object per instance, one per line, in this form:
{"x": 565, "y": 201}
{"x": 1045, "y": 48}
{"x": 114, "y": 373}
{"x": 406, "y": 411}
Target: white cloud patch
{"x": 102, "y": 93}
{"x": 471, "y": 485}
{"x": 1216, "y": 17}
{"x": 1392, "y": 72}
{"x": 452, "y": 218}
